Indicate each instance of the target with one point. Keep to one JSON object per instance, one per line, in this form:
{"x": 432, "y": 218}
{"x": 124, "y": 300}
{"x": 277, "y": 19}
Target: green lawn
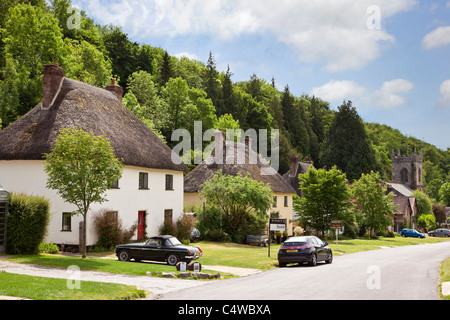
{"x": 39, "y": 288}
{"x": 95, "y": 264}
{"x": 445, "y": 273}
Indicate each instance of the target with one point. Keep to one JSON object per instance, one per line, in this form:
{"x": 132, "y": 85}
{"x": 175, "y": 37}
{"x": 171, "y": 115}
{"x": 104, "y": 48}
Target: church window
{"x": 404, "y": 175}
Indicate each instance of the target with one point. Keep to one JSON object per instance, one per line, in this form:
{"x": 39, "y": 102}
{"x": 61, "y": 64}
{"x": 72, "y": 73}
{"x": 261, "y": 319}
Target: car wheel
{"x": 313, "y": 261}
{"x": 124, "y": 255}
{"x": 172, "y": 259}
{"x": 330, "y": 258}
{"x": 281, "y": 264}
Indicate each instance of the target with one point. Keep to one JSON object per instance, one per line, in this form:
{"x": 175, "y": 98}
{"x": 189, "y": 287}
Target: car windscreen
{"x": 295, "y": 244}
{"x": 172, "y": 242}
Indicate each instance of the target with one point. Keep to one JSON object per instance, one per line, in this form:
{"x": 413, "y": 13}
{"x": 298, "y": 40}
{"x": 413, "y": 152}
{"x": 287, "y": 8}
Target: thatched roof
{"x": 77, "y": 104}
{"x": 236, "y": 158}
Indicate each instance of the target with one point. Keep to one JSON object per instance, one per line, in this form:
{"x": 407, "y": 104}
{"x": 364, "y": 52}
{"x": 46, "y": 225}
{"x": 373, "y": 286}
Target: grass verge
{"x": 445, "y": 276}
{"x": 39, "y": 288}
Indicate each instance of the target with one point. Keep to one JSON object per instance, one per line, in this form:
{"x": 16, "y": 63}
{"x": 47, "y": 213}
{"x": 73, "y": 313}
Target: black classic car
{"x": 160, "y": 248}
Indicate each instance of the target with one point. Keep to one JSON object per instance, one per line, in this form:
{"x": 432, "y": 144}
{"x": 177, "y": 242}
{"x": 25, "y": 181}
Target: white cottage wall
{"x": 29, "y": 177}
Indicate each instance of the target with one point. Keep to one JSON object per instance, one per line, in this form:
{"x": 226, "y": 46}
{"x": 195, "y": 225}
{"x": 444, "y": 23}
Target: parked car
{"x": 303, "y": 249}
{"x": 195, "y": 235}
{"x": 160, "y": 248}
{"x": 411, "y": 233}
{"x": 439, "y": 233}
{"x": 257, "y": 240}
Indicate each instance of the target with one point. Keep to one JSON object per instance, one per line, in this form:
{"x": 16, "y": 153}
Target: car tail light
{"x": 189, "y": 251}
{"x": 200, "y": 249}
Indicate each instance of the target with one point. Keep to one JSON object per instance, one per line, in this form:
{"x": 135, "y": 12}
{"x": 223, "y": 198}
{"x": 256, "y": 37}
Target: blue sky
{"x": 389, "y": 57}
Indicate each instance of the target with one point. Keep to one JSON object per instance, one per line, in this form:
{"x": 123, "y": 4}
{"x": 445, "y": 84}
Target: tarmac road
{"x": 399, "y": 273}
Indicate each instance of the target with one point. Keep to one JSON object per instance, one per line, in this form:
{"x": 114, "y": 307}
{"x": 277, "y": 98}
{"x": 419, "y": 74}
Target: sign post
{"x": 336, "y": 225}
{"x": 276, "y": 225}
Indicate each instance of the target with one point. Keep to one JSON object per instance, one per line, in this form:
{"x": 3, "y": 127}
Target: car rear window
{"x": 295, "y": 244}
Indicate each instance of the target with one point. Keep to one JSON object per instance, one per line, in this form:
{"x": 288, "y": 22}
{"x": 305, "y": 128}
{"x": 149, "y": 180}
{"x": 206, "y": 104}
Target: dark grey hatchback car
{"x": 308, "y": 249}
{"x": 440, "y": 233}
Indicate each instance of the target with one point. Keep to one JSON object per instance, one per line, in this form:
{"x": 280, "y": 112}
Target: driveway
{"x": 400, "y": 273}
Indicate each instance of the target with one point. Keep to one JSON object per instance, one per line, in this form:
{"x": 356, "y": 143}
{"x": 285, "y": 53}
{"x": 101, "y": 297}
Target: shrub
{"x": 184, "y": 226}
{"x": 51, "y": 248}
{"x": 181, "y": 229}
{"x": 217, "y": 235}
{"x": 208, "y": 220}
{"x": 168, "y": 228}
{"x": 27, "y": 223}
{"x": 110, "y": 230}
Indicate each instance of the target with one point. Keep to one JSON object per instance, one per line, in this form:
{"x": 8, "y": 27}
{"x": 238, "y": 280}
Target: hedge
{"x": 28, "y": 219}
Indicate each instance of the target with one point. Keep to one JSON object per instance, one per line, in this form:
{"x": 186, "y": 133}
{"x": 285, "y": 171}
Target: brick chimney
{"x": 116, "y": 89}
{"x": 248, "y": 142}
{"x": 219, "y": 146}
{"x": 293, "y": 165}
{"x": 53, "y": 79}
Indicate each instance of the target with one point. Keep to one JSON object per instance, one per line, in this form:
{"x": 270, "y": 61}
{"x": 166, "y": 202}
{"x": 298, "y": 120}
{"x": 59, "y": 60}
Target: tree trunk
{"x": 83, "y": 237}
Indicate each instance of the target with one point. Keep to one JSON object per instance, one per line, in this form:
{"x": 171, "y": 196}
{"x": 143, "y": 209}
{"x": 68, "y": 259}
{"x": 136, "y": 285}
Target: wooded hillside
{"x": 167, "y": 93}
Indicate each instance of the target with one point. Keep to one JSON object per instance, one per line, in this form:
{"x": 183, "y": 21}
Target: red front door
{"x": 141, "y": 224}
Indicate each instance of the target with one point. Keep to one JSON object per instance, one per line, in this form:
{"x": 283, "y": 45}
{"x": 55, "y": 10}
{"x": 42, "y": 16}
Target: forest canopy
{"x": 167, "y": 93}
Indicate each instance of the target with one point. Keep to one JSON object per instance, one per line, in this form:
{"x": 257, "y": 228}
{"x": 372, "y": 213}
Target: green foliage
{"x": 168, "y": 93}
{"x": 325, "y": 198}
{"x": 81, "y": 167}
{"x": 236, "y": 197}
{"x": 31, "y": 39}
{"x": 371, "y": 199}
{"x": 45, "y": 247}
{"x": 444, "y": 194}
{"x": 427, "y": 221}
{"x": 347, "y": 144}
{"x": 424, "y": 203}
{"x": 27, "y": 223}
{"x": 209, "y": 221}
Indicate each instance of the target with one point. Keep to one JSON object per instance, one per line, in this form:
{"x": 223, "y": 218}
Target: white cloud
{"x": 439, "y": 37}
{"x": 191, "y": 56}
{"x": 389, "y": 96}
{"x": 444, "y": 101}
{"x": 334, "y": 34}
{"x": 338, "y": 91}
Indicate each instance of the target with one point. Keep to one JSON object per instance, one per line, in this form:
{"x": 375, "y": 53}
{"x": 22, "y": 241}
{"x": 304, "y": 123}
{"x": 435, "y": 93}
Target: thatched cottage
{"x": 151, "y": 188}
{"x": 233, "y": 158}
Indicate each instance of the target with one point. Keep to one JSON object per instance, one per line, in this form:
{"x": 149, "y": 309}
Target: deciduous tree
{"x": 81, "y": 167}
{"x": 237, "y": 196}
{"x": 325, "y": 197}
{"x": 371, "y": 199}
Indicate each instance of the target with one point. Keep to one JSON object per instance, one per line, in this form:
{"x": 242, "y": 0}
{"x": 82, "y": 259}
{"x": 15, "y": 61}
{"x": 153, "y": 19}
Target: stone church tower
{"x": 408, "y": 170}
